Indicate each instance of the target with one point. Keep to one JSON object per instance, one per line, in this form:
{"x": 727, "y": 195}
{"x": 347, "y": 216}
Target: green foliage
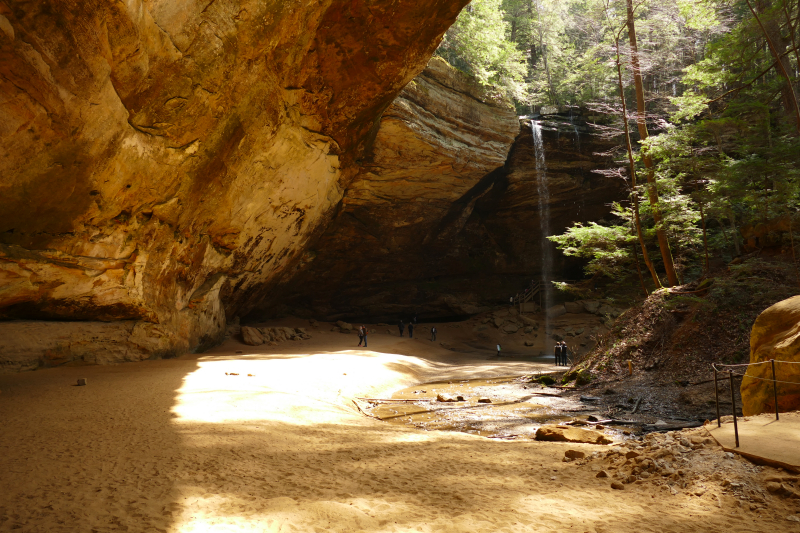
{"x": 606, "y": 247}
{"x": 477, "y": 44}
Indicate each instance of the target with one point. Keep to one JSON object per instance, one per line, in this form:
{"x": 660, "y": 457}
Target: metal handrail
{"x": 731, "y": 373}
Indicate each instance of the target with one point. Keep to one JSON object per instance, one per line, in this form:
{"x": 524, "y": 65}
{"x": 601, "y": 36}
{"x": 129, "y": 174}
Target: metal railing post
{"x": 733, "y": 401}
{"x": 716, "y": 397}
{"x": 775, "y": 389}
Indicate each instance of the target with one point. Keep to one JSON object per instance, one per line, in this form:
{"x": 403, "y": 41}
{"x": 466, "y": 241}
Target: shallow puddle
{"x": 506, "y": 408}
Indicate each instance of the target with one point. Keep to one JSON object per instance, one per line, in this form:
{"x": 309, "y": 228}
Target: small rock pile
{"x": 692, "y": 463}
{"x": 272, "y": 336}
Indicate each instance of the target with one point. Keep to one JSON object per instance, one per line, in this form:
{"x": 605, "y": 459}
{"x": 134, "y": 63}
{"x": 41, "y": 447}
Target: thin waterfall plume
{"x": 544, "y": 222}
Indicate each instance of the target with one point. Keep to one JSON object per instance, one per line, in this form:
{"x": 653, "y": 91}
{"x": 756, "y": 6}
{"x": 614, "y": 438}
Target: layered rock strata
{"x": 164, "y": 163}
{"x": 444, "y": 218}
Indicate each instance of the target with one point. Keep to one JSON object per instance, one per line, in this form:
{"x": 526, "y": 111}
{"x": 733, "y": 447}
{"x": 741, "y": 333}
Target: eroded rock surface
{"x": 419, "y": 233}
{"x": 775, "y": 335}
{"x": 164, "y": 163}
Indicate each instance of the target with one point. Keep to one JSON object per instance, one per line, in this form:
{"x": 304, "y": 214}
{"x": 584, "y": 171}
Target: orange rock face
{"x": 165, "y": 162}
{"x": 775, "y": 335}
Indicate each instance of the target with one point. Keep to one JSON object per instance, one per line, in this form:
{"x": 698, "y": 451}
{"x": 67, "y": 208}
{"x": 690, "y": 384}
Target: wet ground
{"x": 514, "y": 407}
{"x": 507, "y": 408}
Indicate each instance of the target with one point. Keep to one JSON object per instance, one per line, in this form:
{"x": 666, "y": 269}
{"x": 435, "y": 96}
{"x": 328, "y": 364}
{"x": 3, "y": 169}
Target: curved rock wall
{"x": 443, "y": 218}
{"x": 164, "y": 163}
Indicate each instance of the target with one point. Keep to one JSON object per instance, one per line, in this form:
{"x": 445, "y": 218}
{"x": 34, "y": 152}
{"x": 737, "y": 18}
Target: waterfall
{"x": 544, "y": 222}
{"x": 577, "y": 133}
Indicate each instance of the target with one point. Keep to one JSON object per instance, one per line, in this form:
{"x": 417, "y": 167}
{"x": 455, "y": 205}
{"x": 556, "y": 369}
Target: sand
{"x": 179, "y": 446}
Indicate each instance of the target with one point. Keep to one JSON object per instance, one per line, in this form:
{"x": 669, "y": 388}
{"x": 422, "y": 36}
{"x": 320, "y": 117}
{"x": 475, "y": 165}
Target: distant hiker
{"x": 414, "y": 320}
{"x": 433, "y": 334}
{"x": 564, "y": 353}
{"x": 366, "y": 332}
{"x": 557, "y": 351}
{"x": 401, "y": 327}
{"x": 410, "y": 330}
{"x": 360, "y": 335}
{"x": 498, "y": 350}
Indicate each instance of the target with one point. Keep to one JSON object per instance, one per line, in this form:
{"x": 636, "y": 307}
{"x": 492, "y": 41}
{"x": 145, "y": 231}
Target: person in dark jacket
{"x": 401, "y": 327}
{"x": 564, "y": 353}
{"x": 557, "y": 351}
{"x": 410, "y": 330}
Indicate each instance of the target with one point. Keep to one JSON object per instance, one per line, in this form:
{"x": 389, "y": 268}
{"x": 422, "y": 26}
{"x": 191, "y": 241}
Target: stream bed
{"x": 503, "y": 408}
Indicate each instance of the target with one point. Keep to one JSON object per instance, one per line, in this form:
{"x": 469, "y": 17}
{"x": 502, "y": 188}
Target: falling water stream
{"x": 544, "y": 224}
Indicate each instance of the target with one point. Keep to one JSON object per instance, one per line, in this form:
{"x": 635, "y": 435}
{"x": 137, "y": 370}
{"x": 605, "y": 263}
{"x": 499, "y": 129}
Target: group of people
{"x": 561, "y": 353}
{"x": 363, "y": 331}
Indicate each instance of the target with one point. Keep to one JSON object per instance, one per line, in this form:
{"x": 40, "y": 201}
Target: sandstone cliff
{"x": 163, "y": 163}
{"x": 443, "y": 218}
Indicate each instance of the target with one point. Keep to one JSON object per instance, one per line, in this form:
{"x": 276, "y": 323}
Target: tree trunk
{"x": 652, "y": 191}
{"x": 705, "y": 238}
{"x": 772, "y": 34}
{"x": 543, "y": 48}
{"x": 735, "y": 239}
{"x": 637, "y": 220}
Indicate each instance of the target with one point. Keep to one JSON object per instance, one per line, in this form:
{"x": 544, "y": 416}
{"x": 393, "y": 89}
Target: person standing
{"x": 360, "y": 335}
{"x": 433, "y": 334}
{"x": 401, "y": 327}
{"x": 365, "y": 332}
{"x": 564, "y": 353}
{"x": 499, "y": 349}
{"x": 410, "y": 330}
{"x": 557, "y": 352}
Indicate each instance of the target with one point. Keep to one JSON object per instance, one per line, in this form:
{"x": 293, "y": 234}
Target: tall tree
{"x": 641, "y": 121}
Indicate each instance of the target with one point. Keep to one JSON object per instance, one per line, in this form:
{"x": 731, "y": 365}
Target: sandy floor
{"x": 179, "y": 445}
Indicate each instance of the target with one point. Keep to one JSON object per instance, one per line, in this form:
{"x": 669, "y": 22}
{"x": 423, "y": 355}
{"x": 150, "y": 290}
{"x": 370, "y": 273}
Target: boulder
{"x": 528, "y": 329}
{"x": 574, "y": 307}
{"x": 571, "y": 434}
{"x": 444, "y": 398}
{"x": 591, "y": 306}
{"x": 556, "y": 311}
{"x": 344, "y": 325}
{"x": 252, "y": 336}
{"x": 775, "y": 335}
{"x": 529, "y": 321}
{"x": 574, "y": 454}
{"x": 497, "y": 322}
{"x": 511, "y": 327}
{"x": 528, "y": 343}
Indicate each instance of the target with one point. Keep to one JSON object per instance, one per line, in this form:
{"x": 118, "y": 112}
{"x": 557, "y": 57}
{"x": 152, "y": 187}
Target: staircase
{"x": 527, "y": 299}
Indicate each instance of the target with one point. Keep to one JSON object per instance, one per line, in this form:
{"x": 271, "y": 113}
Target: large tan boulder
{"x": 252, "y": 336}
{"x": 775, "y": 335}
{"x": 571, "y": 434}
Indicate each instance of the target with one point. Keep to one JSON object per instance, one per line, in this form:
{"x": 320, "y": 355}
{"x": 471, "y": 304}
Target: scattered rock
{"x": 574, "y": 454}
{"x": 252, "y": 336}
{"x": 81, "y": 382}
{"x": 344, "y": 325}
{"x": 571, "y": 434}
{"x": 616, "y": 485}
{"x": 574, "y": 307}
{"x": 484, "y": 400}
{"x": 444, "y": 398}
{"x": 793, "y": 518}
{"x": 460, "y": 398}
{"x": 556, "y": 311}
{"x": 591, "y": 306}
{"x": 511, "y": 327}
{"x": 602, "y": 474}
{"x": 528, "y": 343}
